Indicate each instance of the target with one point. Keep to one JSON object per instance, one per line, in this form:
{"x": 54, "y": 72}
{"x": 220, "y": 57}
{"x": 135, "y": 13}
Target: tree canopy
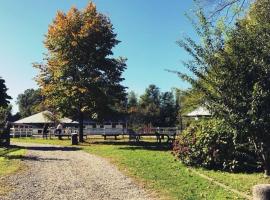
{"x": 29, "y": 102}
{"x": 80, "y": 77}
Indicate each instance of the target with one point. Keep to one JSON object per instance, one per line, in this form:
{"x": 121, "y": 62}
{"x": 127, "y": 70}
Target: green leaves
{"x": 232, "y": 73}
{"x": 210, "y": 144}
{"x": 29, "y": 102}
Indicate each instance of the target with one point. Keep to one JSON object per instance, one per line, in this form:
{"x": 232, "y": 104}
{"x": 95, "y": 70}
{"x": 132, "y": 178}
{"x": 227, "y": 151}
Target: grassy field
{"x": 9, "y": 163}
{"x": 158, "y": 170}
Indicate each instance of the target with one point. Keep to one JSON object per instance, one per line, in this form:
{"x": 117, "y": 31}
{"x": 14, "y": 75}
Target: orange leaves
{"x": 78, "y": 44}
{"x": 73, "y": 13}
{"x": 90, "y": 9}
{"x": 59, "y": 23}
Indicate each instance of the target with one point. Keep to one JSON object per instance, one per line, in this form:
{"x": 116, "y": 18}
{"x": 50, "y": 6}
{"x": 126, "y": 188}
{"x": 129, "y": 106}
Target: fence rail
{"x": 160, "y": 130}
{"x": 28, "y": 132}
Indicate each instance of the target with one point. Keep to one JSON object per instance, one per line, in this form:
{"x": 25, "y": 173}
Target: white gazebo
{"x": 199, "y": 112}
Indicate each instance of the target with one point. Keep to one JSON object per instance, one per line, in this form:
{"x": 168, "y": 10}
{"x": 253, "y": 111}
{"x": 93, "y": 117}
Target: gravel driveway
{"x": 55, "y": 172}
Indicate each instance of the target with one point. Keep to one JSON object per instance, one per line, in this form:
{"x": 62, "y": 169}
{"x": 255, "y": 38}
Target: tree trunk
{"x": 266, "y": 160}
{"x": 267, "y": 167}
{"x": 80, "y": 127}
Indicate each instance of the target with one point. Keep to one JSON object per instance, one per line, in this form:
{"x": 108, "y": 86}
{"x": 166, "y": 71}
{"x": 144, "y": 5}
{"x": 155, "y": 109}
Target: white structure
{"x": 199, "y": 112}
{"x": 34, "y": 124}
{"x": 42, "y": 118}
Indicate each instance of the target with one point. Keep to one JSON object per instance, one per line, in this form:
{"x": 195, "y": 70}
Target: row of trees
{"x": 153, "y": 107}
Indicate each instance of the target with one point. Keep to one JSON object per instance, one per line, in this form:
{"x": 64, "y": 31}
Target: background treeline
{"x": 154, "y": 108}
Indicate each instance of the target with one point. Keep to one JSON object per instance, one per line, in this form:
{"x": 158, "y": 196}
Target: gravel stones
{"x": 67, "y": 173}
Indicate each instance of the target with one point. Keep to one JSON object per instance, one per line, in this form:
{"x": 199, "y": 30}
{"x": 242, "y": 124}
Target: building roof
{"x": 42, "y": 118}
{"x": 200, "y": 111}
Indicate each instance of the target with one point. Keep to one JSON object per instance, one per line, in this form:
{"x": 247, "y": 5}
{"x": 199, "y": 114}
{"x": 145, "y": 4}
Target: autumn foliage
{"x": 80, "y": 78}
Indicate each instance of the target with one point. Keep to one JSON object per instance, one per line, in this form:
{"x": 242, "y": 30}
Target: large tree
{"x": 233, "y": 74}
{"x": 29, "y": 102}
{"x": 80, "y": 77}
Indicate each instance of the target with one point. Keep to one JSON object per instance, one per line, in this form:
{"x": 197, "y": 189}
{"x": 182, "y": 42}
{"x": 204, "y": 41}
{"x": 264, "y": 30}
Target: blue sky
{"x": 148, "y": 30}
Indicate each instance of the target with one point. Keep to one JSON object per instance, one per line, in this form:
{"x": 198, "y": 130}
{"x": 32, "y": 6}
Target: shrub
{"x": 210, "y": 144}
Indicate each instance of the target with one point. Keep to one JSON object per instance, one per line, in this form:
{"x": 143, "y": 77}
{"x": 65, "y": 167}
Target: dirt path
{"x": 66, "y": 173}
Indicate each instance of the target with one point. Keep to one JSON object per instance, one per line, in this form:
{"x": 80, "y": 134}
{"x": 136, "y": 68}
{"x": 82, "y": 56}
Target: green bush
{"x": 210, "y": 144}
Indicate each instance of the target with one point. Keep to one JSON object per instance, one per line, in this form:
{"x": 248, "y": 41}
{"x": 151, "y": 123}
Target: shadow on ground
{"x": 142, "y": 145}
{"x": 14, "y": 148}
{"x": 32, "y": 158}
{"x": 9, "y": 149}
{"x": 50, "y": 148}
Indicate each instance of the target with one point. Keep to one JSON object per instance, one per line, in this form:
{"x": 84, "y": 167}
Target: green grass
{"x": 158, "y": 170}
{"x": 52, "y": 141}
{"x": 9, "y": 164}
{"x": 240, "y": 181}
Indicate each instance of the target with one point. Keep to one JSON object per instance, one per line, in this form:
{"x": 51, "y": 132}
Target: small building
{"x": 33, "y": 125}
{"x": 199, "y": 112}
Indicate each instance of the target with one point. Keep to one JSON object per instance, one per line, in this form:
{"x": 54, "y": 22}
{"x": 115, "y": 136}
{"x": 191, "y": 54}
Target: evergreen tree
{"x": 4, "y": 97}
{"x": 150, "y": 105}
{"x": 134, "y": 115}
{"x": 5, "y": 108}
{"x": 167, "y": 110}
{"x": 132, "y": 101}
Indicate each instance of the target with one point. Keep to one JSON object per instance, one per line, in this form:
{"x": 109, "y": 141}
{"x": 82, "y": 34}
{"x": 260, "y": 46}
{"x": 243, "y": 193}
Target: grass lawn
{"x": 241, "y": 181}
{"x": 9, "y": 163}
{"x": 158, "y": 170}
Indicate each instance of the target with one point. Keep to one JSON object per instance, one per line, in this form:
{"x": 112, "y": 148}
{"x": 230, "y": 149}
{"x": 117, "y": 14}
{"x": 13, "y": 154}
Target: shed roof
{"x": 200, "y": 111}
{"x": 42, "y": 118}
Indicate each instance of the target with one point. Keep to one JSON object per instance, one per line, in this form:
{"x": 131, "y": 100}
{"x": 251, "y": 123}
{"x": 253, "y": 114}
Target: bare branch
{"x": 217, "y": 8}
